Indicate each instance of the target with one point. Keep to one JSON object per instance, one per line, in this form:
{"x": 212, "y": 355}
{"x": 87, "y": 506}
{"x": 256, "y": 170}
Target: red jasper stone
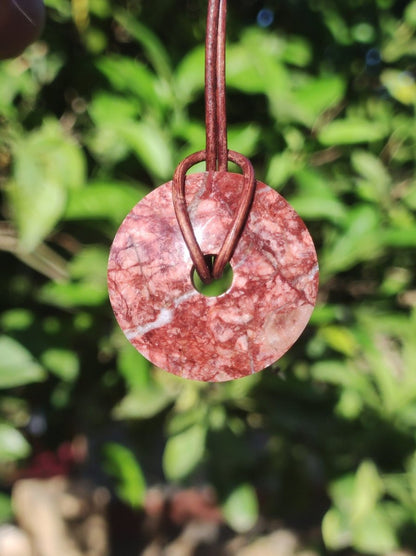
{"x": 240, "y": 332}
{"x": 21, "y": 22}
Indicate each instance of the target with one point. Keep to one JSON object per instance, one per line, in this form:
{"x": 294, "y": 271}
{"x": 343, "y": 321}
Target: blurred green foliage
{"x": 323, "y": 101}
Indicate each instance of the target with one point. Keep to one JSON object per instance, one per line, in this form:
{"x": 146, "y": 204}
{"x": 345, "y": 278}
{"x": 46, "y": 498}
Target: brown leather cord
{"x": 231, "y": 240}
{"x": 182, "y": 216}
{"x": 211, "y": 84}
{"x": 216, "y": 153}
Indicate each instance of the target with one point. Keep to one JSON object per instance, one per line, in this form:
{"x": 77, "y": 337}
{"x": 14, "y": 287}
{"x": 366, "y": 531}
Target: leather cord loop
{"x": 216, "y": 153}
{"x": 179, "y": 201}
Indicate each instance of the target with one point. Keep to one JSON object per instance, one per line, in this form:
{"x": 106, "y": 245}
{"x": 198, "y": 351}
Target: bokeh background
{"x": 315, "y": 455}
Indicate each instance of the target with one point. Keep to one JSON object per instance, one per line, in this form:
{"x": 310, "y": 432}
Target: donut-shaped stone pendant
{"x": 250, "y": 326}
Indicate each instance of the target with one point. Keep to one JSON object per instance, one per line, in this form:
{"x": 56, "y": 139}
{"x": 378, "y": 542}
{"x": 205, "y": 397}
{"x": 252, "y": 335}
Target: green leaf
{"x": 6, "y": 510}
{"x": 239, "y": 389}
{"x": 377, "y": 181}
{"x": 246, "y": 74}
{"x": 317, "y": 95}
{"x": 361, "y": 240}
{"x": 14, "y": 82}
{"x": 106, "y": 109}
{"x": 62, "y": 362}
{"x": 104, "y": 200}
{"x": 340, "y": 339}
{"x": 90, "y": 264}
{"x": 410, "y": 195}
{"x": 318, "y": 208}
{"x": 401, "y": 85}
{"x": 244, "y": 138}
{"x": 281, "y": 168}
{"x": 342, "y": 492}
{"x": 143, "y": 403}
{"x": 73, "y": 294}
{"x": 17, "y": 319}
{"x": 337, "y": 25}
{"x": 128, "y": 75}
{"x": 297, "y": 51}
{"x": 240, "y": 509}
{"x": 371, "y": 168}
{"x": 17, "y": 365}
{"x": 352, "y": 130}
{"x": 340, "y": 373}
{"x": 316, "y": 199}
{"x": 410, "y": 13}
{"x": 36, "y": 206}
{"x": 134, "y": 368}
{"x": 180, "y": 422}
{"x": 47, "y": 164}
{"x": 183, "y": 452}
{"x": 336, "y": 530}
{"x": 189, "y": 75}
{"x": 399, "y": 237}
{"x": 88, "y": 269}
{"x": 368, "y": 490}
{"x": 146, "y": 397}
{"x": 151, "y": 145}
{"x": 13, "y": 445}
{"x": 154, "y": 49}
{"x": 375, "y": 534}
{"x": 121, "y": 463}
{"x": 350, "y": 405}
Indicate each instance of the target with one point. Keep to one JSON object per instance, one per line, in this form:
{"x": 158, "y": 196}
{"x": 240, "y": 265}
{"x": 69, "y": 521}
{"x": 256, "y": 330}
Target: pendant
{"x": 242, "y": 331}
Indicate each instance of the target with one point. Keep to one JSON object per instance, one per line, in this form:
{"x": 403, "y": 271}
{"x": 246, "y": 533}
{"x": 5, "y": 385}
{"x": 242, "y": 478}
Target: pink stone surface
{"x": 213, "y": 338}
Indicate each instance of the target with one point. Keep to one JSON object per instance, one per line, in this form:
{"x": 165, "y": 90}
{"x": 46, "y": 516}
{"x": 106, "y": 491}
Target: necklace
{"x": 201, "y": 222}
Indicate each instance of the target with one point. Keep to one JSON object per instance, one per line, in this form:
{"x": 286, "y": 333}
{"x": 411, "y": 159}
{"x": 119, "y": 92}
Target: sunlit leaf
{"x": 401, "y": 85}
{"x": 368, "y": 490}
{"x": 152, "y": 146}
{"x": 17, "y": 365}
{"x": 128, "y": 75}
{"x": 336, "y": 529}
{"x": 61, "y": 362}
{"x": 361, "y": 240}
{"x": 318, "y": 95}
{"x": 90, "y": 264}
{"x": 244, "y": 138}
{"x": 189, "y": 75}
{"x": 318, "y": 208}
{"x": 241, "y": 508}
{"x": 297, "y": 51}
{"x": 246, "y": 74}
{"x": 74, "y": 294}
{"x": 281, "y": 168}
{"x": 47, "y": 165}
{"x": 134, "y": 368}
{"x": 350, "y": 404}
{"x": 375, "y": 534}
{"x": 104, "y": 200}
{"x": 124, "y": 466}
{"x": 350, "y": 131}
{"x": 16, "y": 319}
{"x": 183, "y": 452}
{"x": 107, "y": 108}
{"x": 316, "y": 199}
{"x": 13, "y": 445}
{"x": 340, "y": 338}
{"x": 410, "y": 13}
{"x": 376, "y": 179}
{"x": 143, "y": 403}
{"x": 146, "y": 397}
